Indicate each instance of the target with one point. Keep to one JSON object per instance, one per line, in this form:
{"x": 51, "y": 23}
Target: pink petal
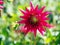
{"x": 1, "y": 7}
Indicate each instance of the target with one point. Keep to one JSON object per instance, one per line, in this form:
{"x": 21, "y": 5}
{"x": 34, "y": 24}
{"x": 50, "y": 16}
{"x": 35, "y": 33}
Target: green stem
{"x": 34, "y": 41}
{"x": 0, "y": 12}
{"x": 31, "y": 41}
{"x": 31, "y": 38}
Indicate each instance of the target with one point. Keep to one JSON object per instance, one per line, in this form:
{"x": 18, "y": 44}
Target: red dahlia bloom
{"x": 35, "y": 19}
{"x": 1, "y": 2}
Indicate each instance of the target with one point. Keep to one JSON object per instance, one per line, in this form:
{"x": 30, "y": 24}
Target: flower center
{"x": 33, "y": 20}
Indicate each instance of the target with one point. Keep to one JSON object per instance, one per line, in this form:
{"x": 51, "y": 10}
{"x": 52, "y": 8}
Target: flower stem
{"x": 31, "y": 39}
{"x": 34, "y": 41}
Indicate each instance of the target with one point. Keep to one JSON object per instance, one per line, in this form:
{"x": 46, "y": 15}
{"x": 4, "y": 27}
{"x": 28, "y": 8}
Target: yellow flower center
{"x": 33, "y": 20}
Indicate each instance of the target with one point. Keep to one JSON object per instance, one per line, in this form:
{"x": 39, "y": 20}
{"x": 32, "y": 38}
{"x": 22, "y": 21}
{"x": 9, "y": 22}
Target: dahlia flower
{"x": 1, "y": 2}
{"x": 35, "y": 19}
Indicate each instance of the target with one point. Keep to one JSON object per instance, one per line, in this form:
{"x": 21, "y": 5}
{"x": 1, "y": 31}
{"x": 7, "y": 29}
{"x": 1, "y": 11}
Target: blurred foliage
{"x": 11, "y": 14}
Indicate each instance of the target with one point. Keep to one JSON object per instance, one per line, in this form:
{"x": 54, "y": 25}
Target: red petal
{"x": 22, "y": 21}
{"x": 23, "y": 11}
{"x": 42, "y": 9}
{"x": 36, "y": 8}
{"x": 1, "y": 2}
{"x": 24, "y": 17}
{"x": 46, "y": 13}
{"x": 27, "y": 9}
{"x": 42, "y": 28}
{"x": 46, "y": 24}
{"x": 40, "y": 31}
{"x": 32, "y": 7}
{"x": 35, "y": 32}
{"x": 27, "y": 31}
{"x": 45, "y": 18}
{"x": 21, "y": 16}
